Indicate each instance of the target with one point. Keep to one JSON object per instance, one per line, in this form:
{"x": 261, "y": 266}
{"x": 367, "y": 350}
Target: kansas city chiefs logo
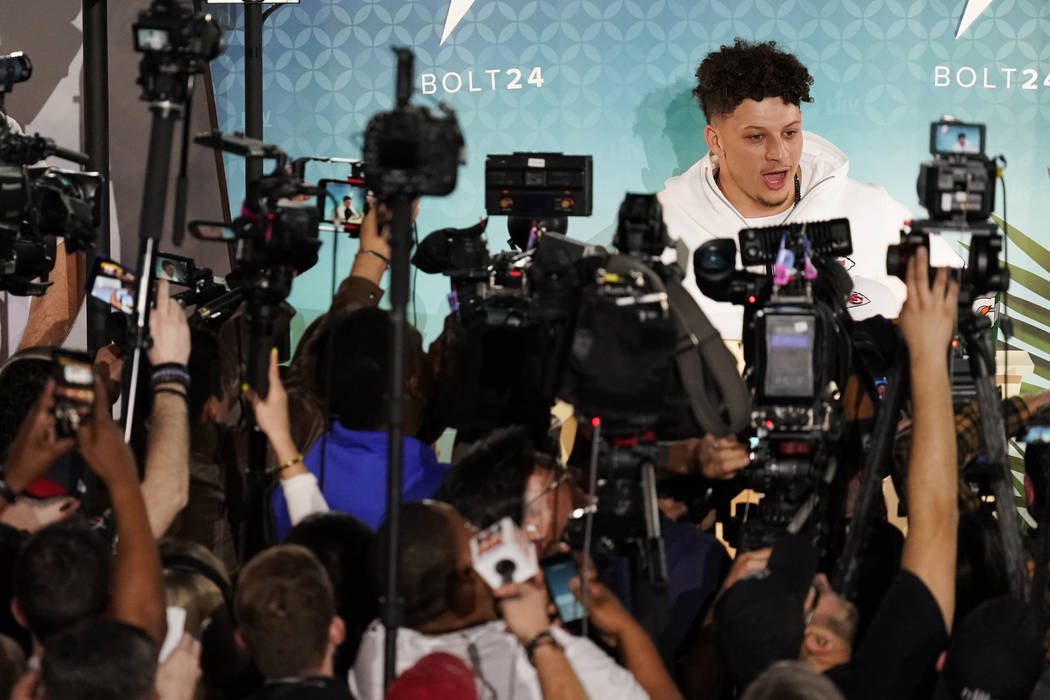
{"x": 858, "y": 299}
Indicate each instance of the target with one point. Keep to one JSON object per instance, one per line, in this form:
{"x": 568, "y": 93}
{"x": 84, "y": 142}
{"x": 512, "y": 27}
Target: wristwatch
{"x": 6, "y": 492}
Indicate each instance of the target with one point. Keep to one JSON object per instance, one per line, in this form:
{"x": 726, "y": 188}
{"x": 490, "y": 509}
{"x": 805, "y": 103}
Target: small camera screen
{"x": 172, "y": 270}
{"x": 344, "y": 206}
{"x": 152, "y": 39}
{"x": 114, "y": 284}
{"x": 949, "y": 138}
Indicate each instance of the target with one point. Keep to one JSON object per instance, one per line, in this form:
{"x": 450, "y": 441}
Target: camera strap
{"x": 717, "y": 394}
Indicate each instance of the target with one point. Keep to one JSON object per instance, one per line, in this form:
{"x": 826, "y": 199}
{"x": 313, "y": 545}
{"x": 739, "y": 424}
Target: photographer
{"x": 788, "y": 603}
{"x": 45, "y": 320}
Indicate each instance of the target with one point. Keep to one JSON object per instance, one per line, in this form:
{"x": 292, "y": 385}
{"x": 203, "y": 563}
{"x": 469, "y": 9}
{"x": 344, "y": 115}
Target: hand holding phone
{"x": 74, "y": 394}
{"x": 558, "y": 571}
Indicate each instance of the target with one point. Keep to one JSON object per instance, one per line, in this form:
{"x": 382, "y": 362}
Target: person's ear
{"x": 18, "y": 614}
{"x": 239, "y": 638}
{"x": 714, "y": 141}
{"x": 336, "y": 631}
{"x": 816, "y": 641}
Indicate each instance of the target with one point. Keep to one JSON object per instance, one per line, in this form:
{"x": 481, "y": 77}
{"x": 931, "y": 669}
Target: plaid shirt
{"x": 969, "y": 441}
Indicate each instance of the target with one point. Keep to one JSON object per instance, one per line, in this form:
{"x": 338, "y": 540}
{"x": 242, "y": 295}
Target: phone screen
{"x": 558, "y": 572}
{"x": 343, "y": 205}
{"x": 114, "y": 284}
{"x": 74, "y": 390}
{"x": 174, "y": 268}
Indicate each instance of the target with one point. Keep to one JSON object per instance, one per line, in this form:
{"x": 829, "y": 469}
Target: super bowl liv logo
{"x": 481, "y": 80}
{"x": 1000, "y": 77}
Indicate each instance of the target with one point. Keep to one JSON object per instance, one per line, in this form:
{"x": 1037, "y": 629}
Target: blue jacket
{"x": 355, "y": 474}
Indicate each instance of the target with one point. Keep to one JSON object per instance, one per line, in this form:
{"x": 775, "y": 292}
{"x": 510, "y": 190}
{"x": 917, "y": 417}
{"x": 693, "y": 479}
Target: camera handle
{"x": 972, "y": 328}
{"x": 847, "y": 571}
{"x": 400, "y": 252}
{"x": 151, "y": 218}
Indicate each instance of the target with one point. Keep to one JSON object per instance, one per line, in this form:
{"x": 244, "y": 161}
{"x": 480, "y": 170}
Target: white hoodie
{"x": 696, "y": 211}
{"x": 501, "y": 669}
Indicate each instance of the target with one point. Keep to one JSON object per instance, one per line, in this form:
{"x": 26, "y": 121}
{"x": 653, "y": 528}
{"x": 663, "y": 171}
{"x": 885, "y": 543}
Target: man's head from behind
{"x": 354, "y": 364}
{"x": 100, "y": 659}
{"x": 751, "y": 96}
{"x": 435, "y": 576}
{"x": 286, "y": 613}
{"x": 62, "y": 576}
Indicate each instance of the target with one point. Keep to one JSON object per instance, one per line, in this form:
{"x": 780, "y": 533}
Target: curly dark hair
{"x": 747, "y": 70}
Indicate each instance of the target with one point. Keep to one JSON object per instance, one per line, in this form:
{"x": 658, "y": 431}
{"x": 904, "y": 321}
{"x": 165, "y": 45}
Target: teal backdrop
{"x": 613, "y": 79}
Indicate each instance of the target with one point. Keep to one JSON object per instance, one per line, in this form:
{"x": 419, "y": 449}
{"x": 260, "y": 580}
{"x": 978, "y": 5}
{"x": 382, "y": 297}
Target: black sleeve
{"x": 897, "y": 656}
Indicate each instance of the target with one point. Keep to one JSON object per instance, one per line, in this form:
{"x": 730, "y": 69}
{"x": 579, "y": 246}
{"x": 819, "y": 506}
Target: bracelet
{"x": 7, "y": 493}
{"x": 539, "y": 640}
{"x": 293, "y": 460}
{"x": 170, "y": 365}
{"x": 172, "y": 376}
{"x": 382, "y": 257}
{"x": 176, "y": 392}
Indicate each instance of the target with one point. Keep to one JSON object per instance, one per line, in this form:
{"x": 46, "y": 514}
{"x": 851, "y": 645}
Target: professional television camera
{"x": 798, "y": 356}
{"x": 38, "y": 205}
{"x": 276, "y": 238}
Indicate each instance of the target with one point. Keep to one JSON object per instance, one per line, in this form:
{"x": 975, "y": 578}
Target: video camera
{"x": 410, "y": 150}
{"x": 276, "y": 239}
{"x": 797, "y": 352}
{"x": 38, "y": 205}
{"x": 174, "y": 41}
{"x": 957, "y": 188}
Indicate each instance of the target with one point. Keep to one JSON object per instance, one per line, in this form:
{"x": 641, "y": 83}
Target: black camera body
{"x": 539, "y": 185}
{"x": 797, "y": 352}
{"x": 410, "y": 150}
{"x": 174, "y": 40}
{"x": 959, "y": 183}
{"x": 38, "y": 205}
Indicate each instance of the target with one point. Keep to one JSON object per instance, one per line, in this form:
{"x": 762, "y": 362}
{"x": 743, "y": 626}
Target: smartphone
{"x": 113, "y": 284}
{"x": 74, "y": 376}
{"x": 174, "y": 268}
{"x": 558, "y": 570}
{"x": 344, "y": 203}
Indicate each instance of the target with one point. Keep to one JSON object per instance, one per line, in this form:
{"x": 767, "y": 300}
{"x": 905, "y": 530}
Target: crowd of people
{"x": 127, "y": 567}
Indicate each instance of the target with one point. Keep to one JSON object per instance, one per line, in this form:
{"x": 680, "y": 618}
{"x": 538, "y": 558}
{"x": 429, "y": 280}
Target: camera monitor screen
{"x": 114, "y": 284}
{"x": 952, "y": 138}
{"x": 343, "y": 207}
{"x": 173, "y": 268}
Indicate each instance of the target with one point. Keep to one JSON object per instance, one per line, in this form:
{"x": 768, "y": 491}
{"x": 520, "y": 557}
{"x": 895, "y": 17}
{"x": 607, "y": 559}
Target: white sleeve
{"x": 600, "y": 676}
{"x": 303, "y": 497}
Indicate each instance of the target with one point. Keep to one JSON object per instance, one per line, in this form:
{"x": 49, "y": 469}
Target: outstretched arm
{"x": 301, "y": 492}
{"x": 166, "y": 482}
{"x": 926, "y": 321}
{"x": 138, "y": 587}
{"x": 637, "y": 650}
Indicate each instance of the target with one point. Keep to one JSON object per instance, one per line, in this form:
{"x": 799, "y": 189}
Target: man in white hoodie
{"x": 763, "y": 170}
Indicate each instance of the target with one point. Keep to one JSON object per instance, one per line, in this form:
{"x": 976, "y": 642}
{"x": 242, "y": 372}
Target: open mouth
{"x": 776, "y": 179}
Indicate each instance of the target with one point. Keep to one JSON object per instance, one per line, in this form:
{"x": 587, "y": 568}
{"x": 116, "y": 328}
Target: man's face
{"x": 549, "y": 501}
{"x": 758, "y": 148}
{"x": 830, "y": 626}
